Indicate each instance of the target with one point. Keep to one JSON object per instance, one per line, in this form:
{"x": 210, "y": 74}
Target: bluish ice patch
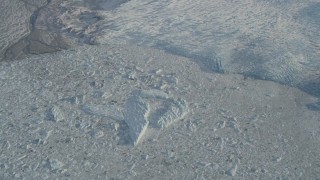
{"x": 311, "y": 86}
{"x": 278, "y": 2}
{"x": 314, "y": 106}
{"x": 310, "y": 18}
{"x": 207, "y": 59}
{"x": 99, "y": 4}
{"x": 249, "y": 63}
{"x": 311, "y": 14}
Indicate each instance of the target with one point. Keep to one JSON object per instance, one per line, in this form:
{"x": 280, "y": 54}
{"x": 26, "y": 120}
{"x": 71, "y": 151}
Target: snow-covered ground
{"x": 129, "y": 112}
{"x": 142, "y": 101}
{"x": 273, "y": 40}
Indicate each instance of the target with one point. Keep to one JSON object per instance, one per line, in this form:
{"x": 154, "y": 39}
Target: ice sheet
{"x": 272, "y": 40}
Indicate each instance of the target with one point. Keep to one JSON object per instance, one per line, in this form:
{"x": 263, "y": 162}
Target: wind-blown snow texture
{"x": 273, "y": 40}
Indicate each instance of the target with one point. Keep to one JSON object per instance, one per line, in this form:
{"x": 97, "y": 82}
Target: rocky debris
{"x": 136, "y": 115}
{"x": 55, "y": 114}
{"x": 38, "y": 42}
{"x": 153, "y": 107}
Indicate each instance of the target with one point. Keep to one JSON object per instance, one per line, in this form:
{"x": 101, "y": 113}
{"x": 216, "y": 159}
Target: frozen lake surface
{"x": 143, "y": 89}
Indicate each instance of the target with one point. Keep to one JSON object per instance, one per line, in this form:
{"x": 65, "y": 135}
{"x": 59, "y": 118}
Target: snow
{"x": 141, "y": 101}
{"x": 199, "y": 125}
{"x": 274, "y": 40}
